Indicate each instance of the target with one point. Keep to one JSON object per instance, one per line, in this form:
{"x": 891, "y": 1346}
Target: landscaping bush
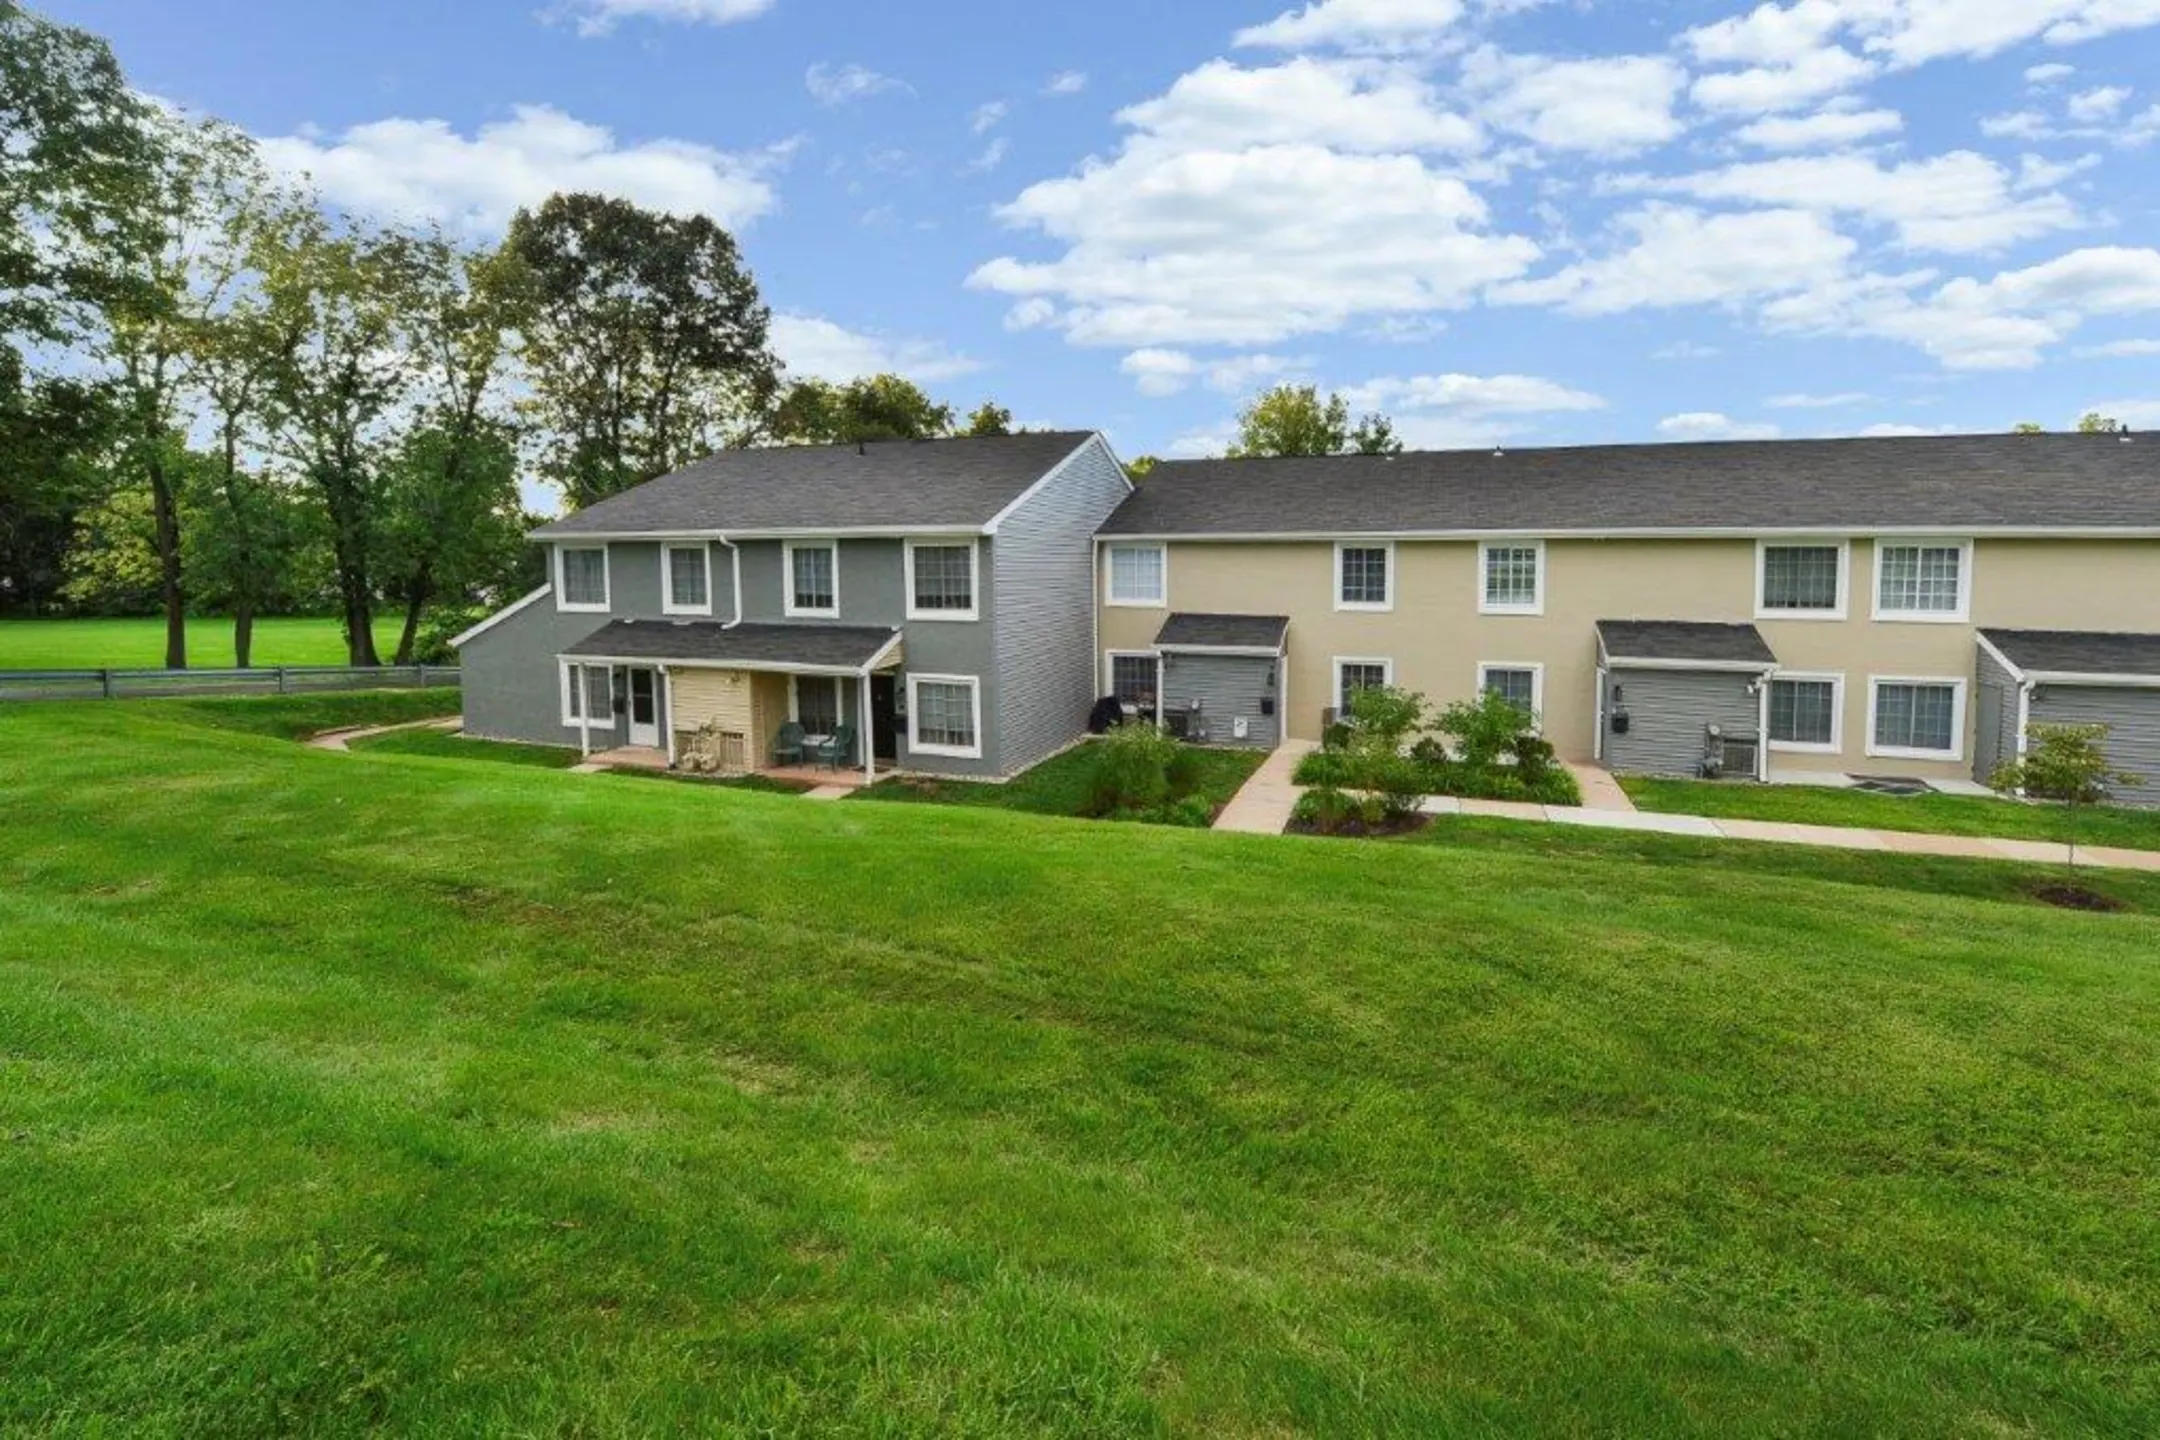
{"x": 431, "y": 642}
{"x": 1496, "y": 755}
{"x": 1133, "y": 771}
{"x": 1483, "y": 729}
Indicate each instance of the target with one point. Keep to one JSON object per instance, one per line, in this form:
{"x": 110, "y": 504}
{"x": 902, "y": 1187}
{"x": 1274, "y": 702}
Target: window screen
{"x": 687, "y": 589}
{"x": 1800, "y": 577}
{"x": 944, "y": 577}
{"x": 584, "y": 577}
{"x": 1364, "y": 575}
{"x": 1518, "y": 687}
{"x": 945, "y": 714}
{"x": 1136, "y": 574}
{"x": 1359, "y": 675}
{"x": 813, "y": 582}
{"x": 1921, "y": 579}
{"x": 1803, "y": 712}
{"x": 1916, "y": 717}
{"x": 1132, "y": 679}
{"x": 1511, "y": 577}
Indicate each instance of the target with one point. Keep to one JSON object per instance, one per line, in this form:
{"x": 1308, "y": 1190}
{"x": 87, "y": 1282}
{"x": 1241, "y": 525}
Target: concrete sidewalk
{"x": 1263, "y": 805}
{"x": 342, "y": 739}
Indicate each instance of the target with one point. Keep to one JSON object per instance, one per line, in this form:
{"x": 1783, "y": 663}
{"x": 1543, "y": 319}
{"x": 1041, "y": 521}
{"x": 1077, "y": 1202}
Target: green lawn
{"x": 138, "y": 643}
{"x": 354, "y": 1094}
{"x": 1059, "y": 786}
{"x": 1929, "y": 814}
{"x": 445, "y": 746}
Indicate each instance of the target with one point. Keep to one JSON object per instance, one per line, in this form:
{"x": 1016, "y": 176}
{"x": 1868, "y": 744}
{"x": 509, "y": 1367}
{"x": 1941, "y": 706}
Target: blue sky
{"x": 1501, "y": 221}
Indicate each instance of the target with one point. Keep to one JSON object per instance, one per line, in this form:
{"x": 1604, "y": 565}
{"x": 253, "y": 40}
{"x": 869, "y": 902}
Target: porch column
{"x": 665, "y": 701}
{"x": 868, "y": 741}
{"x": 583, "y": 681}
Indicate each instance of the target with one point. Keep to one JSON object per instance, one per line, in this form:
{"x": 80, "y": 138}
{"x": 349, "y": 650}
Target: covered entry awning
{"x": 2077, "y": 657}
{"x": 708, "y": 644}
{"x": 1223, "y": 634}
{"x": 1683, "y": 645}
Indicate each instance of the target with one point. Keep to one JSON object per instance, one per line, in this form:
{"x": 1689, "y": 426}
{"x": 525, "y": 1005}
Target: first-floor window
{"x": 1132, "y": 679}
{"x": 943, "y": 712}
{"x": 1354, "y": 675}
{"x": 817, "y": 703}
{"x": 1803, "y": 712}
{"x": 1515, "y": 684}
{"x": 595, "y": 695}
{"x": 1915, "y": 715}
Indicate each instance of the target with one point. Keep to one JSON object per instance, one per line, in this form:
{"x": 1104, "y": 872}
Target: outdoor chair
{"x": 788, "y": 745}
{"x": 838, "y": 750}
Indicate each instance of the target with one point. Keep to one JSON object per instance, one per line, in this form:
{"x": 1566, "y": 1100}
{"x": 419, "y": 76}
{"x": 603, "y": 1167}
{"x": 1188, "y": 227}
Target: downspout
{"x": 735, "y": 567}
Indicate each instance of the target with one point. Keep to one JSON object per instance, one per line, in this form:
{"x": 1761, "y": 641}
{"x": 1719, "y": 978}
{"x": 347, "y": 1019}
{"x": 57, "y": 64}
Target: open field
{"x": 138, "y": 643}
{"x": 351, "y": 1093}
{"x": 1926, "y": 814}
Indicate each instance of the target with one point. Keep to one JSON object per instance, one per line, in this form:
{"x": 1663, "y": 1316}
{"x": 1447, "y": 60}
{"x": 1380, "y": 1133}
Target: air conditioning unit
{"x": 1730, "y": 754}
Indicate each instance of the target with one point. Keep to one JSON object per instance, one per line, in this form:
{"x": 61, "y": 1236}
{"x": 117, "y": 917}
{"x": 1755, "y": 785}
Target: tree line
{"x": 217, "y": 395}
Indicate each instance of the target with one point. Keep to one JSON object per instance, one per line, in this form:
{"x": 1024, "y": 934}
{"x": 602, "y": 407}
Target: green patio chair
{"x": 788, "y": 744}
{"x": 839, "y": 750}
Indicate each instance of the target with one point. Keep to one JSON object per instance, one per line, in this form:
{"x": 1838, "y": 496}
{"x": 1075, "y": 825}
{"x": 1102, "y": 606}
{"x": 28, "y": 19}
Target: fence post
{"x": 282, "y": 685}
{"x": 419, "y": 677}
{"x": 105, "y": 680}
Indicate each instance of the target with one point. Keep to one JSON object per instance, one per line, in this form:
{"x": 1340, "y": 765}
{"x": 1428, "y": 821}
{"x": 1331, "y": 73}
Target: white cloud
{"x": 2091, "y": 106}
{"x": 598, "y": 17}
{"x": 1766, "y": 89}
{"x": 1913, "y": 32}
{"x": 1899, "y": 430}
{"x": 1158, "y": 372}
{"x": 1066, "y": 82}
{"x": 2137, "y": 414}
{"x": 844, "y": 84}
{"x": 1768, "y": 34}
{"x": 1609, "y": 106}
{"x": 1472, "y": 395}
{"x": 1243, "y": 374}
{"x": 1686, "y": 350}
{"x": 1678, "y": 256}
{"x": 812, "y": 346}
{"x": 1356, "y": 25}
{"x": 2017, "y": 125}
{"x": 988, "y": 116}
{"x": 1831, "y": 127}
{"x": 1957, "y": 202}
{"x": 2044, "y": 75}
{"x": 2120, "y": 350}
{"x": 1711, "y": 425}
{"x": 1818, "y": 402}
{"x": 423, "y": 169}
{"x": 1347, "y": 105}
{"x": 993, "y": 155}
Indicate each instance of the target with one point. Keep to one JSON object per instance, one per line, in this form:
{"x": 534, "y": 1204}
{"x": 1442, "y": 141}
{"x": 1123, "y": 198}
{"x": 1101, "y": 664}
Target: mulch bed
{"x": 2065, "y": 896}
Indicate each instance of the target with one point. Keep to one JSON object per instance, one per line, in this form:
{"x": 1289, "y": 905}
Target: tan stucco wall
{"x": 1437, "y": 638}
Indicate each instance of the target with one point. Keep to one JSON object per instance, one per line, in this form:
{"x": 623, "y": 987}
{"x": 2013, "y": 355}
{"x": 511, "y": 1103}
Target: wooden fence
{"x": 272, "y": 680}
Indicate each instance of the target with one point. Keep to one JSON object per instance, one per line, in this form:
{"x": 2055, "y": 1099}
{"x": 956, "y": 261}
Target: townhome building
{"x": 1887, "y": 607}
{"x": 927, "y": 604}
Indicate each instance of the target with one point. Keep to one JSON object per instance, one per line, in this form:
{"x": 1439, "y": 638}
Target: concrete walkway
{"x": 342, "y": 739}
{"x": 1263, "y": 804}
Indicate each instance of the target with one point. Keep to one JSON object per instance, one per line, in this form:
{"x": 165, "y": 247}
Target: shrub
{"x": 1484, "y": 729}
{"x": 1326, "y": 809}
{"x": 1133, "y": 771}
{"x": 431, "y": 642}
{"x": 1401, "y": 786}
{"x": 1385, "y": 716}
{"x": 1335, "y": 738}
{"x": 1534, "y": 756}
{"x": 1324, "y": 767}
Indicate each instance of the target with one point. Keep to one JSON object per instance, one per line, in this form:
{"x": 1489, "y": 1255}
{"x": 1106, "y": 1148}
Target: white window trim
{"x": 1955, "y": 753}
{"x": 1110, "y": 595}
{"x": 1484, "y": 560}
{"x": 564, "y": 669}
{"x": 667, "y": 579}
{"x": 1766, "y": 611}
{"x": 957, "y": 752}
{"x": 788, "y": 606}
{"x": 1537, "y": 685}
{"x": 1370, "y": 607}
{"x": 974, "y": 609}
{"x": 607, "y": 582}
{"x": 1109, "y": 669}
{"x": 1836, "y": 681}
{"x": 1387, "y": 669}
{"x": 1959, "y": 616}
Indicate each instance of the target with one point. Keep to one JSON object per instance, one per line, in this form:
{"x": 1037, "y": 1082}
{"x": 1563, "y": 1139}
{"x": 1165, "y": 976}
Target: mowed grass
{"x": 345, "y": 1094}
{"x": 138, "y": 642}
{"x": 441, "y": 745}
{"x": 1927, "y": 814}
{"x": 1061, "y": 784}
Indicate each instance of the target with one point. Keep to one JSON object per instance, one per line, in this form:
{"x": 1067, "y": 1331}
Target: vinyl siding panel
{"x": 2133, "y": 741}
{"x": 1995, "y": 716}
{"x": 1668, "y": 711}
{"x": 1228, "y": 687}
{"x": 1044, "y": 559}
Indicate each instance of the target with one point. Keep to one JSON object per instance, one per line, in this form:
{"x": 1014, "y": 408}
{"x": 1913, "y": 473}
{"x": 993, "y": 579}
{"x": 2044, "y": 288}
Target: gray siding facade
{"x": 2133, "y": 717}
{"x": 1229, "y": 688}
{"x": 1044, "y": 558}
{"x": 1667, "y": 713}
{"x": 1995, "y": 717}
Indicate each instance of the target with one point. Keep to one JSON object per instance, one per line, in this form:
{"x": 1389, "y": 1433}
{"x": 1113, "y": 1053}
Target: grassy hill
{"x": 138, "y": 642}
{"x": 349, "y": 1092}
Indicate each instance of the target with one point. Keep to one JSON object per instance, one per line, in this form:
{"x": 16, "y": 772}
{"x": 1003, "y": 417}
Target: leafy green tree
{"x": 1139, "y": 469}
{"x": 2065, "y": 764}
{"x": 255, "y": 545}
{"x": 56, "y": 437}
{"x": 2092, "y": 422}
{"x": 873, "y": 407}
{"x": 114, "y": 568}
{"x": 989, "y": 419}
{"x": 2028, "y": 427}
{"x": 646, "y": 344}
{"x": 1295, "y": 420}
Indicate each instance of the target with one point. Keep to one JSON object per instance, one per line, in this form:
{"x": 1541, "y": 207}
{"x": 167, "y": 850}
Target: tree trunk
{"x": 416, "y": 599}
{"x": 348, "y": 542}
{"x": 243, "y": 632}
{"x": 166, "y": 507}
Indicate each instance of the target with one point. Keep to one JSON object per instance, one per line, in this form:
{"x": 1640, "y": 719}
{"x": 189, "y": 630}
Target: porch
{"x": 810, "y": 777}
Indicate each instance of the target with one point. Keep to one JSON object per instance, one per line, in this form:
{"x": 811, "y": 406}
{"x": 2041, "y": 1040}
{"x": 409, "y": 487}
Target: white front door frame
{"x": 646, "y": 732}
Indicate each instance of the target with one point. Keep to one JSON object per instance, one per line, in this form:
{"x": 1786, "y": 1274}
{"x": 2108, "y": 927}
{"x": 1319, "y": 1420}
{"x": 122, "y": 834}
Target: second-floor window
{"x": 1511, "y": 578}
{"x": 1136, "y": 574}
{"x": 941, "y": 580}
{"x": 1924, "y": 581}
{"x": 1802, "y": 581}
{"x": 813, "y": 580}
{"x": 582, "y": 571}
{"x": 689, "y": 580}
{"x": 1364, "y": 577}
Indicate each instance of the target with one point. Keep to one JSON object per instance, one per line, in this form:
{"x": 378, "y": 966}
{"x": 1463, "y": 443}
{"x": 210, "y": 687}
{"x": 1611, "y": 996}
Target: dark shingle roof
{"x": 2066, "y": 652}
{"x": 1950, "y": 483}
{"x": 1223, "y": 632}
{"x": 898, "y": 485}
{"x": 1684, "y": 640}
{"x": 831, "y": 646}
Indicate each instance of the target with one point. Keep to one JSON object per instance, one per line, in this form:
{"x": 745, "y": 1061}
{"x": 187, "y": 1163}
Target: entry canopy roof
{"x": 815, "y": 648}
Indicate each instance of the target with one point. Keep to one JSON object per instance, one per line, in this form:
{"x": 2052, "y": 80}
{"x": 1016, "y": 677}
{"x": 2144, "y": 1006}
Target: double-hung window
{"x": 813, "y": 580}
{"x": 1522, "y": 686}
{"x": 1136, "y": 575}
{"x": 1925, "y": 580}
{"x": 945, "y": 715}
{"x": 581, "y": 576}
{"x": 1511, "y": 577}
{"x": 941, "y": 580}
{"x": 1364, "y": 577}
{"x": 1133, "y": 678}
{"x": 1801, "y": 582}
{"x": 1804, "y": 713}
{"x": 689, "y": 580}
{"x": 587, "y": 688}
{"x": 1917, "y": 719}
{"x": 1352, "y": 676}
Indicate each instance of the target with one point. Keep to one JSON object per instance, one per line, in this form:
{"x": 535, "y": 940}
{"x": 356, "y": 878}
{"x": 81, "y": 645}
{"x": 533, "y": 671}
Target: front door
{"x": 884, "y": 691}
{"x": 645, "y": 708}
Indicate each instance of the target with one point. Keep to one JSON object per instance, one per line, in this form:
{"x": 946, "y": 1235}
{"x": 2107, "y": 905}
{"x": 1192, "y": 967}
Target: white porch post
{"x": 667, "y": 712}
{"x": 583, "y": 681}
{"x": 869, "y": 745}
